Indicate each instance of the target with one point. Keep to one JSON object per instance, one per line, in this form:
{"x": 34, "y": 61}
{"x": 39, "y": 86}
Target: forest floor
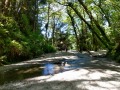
{"x": 85, "y": 73}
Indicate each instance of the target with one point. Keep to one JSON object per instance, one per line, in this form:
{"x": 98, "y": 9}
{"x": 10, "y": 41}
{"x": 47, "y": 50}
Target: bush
{"x": 16, "y": 46}
{"x": 47, "y": 48}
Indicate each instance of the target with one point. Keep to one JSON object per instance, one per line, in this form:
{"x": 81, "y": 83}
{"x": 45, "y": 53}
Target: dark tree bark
{"x": 95, "y": 22}
{"x": 53, "y": 31}
{"x": 89, "y": 26}
{"x": 47, "y": 21}
{"x": 74, "y": 28}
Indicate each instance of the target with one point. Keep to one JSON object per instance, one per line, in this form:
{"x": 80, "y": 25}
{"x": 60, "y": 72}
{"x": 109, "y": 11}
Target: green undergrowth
{"x": 114, "y": 54}
{"x": 16, "y": 46}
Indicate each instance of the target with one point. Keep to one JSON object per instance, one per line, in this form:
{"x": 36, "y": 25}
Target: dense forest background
{"x": 29, "y": 28}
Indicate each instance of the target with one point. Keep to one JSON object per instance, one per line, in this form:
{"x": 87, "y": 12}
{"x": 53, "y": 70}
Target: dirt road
{"x": 82, "y": 72}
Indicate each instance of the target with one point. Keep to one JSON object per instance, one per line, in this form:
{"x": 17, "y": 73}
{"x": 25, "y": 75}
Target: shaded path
{"x": 84, "y": 73}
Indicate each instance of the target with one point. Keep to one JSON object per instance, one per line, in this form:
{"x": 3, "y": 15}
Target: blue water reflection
{"x": 49, "y": 69}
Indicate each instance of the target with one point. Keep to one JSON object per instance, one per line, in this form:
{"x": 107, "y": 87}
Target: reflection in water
{"x": 8, "y": 76}
{"x": 49, "y": 69}
{"x": 22, "y": 73}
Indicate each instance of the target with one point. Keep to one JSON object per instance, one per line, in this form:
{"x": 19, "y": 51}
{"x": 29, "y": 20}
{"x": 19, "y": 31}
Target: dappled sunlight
{"x": 111, "y": 72}
{"x": 39, "y": 61}
{"x": 96, "y": 75}
{"x": 64, "y": 76}
{"x": 59, "y": 44}
{"x": 104, "y": 84}
{"x": 79, "y": 73}
{"x": 90, "y": 85}
{"x": 39, "y": 78}
{"x": 80, "y": 79}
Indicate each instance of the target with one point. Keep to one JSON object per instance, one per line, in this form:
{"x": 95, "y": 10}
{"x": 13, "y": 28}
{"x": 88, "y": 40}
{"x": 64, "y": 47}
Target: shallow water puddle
{"x": 30, "y": 71}
{"x": 20, "y": 74}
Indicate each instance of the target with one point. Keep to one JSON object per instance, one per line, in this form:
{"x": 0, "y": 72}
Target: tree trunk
{"x": 90, "y": 26}
{"x": 53, "y": 32}
{"x": 47, "y": 22}
{"x": 96, "y": 23}
{"x": 74, "y": 28}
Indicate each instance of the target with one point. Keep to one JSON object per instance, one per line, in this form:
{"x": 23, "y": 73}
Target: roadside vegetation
{"x": 30, "y": 28}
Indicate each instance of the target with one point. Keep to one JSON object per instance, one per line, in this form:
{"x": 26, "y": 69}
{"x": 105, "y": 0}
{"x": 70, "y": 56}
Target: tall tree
{"x": 74, "y": 27}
